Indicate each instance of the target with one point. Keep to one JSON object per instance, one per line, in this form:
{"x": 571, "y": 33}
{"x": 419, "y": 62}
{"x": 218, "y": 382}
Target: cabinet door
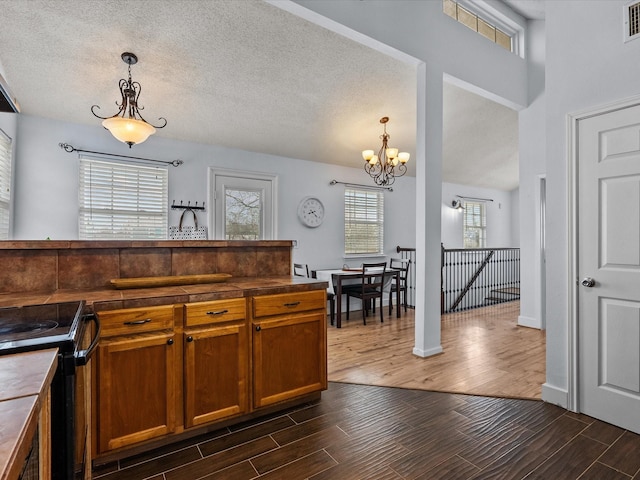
{"x": 136, "y": 389}
{"x": 216, "y": 370}
{"x": 289, "y": 357}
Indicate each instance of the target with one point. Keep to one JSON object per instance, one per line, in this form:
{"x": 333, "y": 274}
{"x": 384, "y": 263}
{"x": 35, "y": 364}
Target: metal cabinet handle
{"x": 292, "y": 304}
{"x": 170, "y": 341}
{"x": 258, "y": 328}
{"x": 189, "y": 338}
{"x": 219, "y": 312}
{"x": 137, "y": 322}
{"x": 588, "y": 282}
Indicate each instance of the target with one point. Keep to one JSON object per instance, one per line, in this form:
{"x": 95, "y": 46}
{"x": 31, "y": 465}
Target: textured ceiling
{"x": 242, "y": 74}
{"x": 481, "y": 146}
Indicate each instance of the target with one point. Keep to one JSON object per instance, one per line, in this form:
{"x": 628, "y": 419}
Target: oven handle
{"x": 82, "y": 357}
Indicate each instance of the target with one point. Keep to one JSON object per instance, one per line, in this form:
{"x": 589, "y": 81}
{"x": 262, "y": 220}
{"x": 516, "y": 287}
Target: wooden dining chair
{"x": 399, "y": 282}
{"x": 302, "y": 270}
{"x": 369, "y": 288}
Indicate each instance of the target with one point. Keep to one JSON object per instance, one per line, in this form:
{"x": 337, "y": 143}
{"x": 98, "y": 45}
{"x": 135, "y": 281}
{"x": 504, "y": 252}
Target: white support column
{"x": 428, "y": 200}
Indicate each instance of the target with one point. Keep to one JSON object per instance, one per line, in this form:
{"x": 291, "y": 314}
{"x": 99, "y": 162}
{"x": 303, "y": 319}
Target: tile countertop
{"x": 24, "y": 381}
{"x": 110, "y": 297}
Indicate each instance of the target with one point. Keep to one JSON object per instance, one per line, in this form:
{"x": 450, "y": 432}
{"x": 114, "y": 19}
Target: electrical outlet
{"x": 295, "y": 243}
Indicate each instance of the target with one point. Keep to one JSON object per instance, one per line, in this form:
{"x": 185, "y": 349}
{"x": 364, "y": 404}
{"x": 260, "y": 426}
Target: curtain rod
{"x": 69, "y": 148}
{"x": 475, "y": 198}
{"x": 372, "y": 187}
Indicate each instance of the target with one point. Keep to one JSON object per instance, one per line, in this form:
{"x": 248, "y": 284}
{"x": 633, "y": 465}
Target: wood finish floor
{"x": 360, "y": 432}
{"x": 485, "y": 353}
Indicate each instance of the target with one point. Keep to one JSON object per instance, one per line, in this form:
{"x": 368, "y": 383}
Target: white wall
{"x": 499, "y": 217}
{"x": 46, "y": 193}
{"x": 587, "y": 64}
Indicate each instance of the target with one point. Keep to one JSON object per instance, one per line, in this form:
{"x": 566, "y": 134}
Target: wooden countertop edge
{"x": 235, "y": 287}
{"x": 99, "y": 244}
{"x": 21, "y": 409}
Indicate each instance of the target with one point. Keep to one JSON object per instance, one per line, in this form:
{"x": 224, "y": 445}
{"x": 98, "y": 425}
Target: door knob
{"x": 588, "y": 282}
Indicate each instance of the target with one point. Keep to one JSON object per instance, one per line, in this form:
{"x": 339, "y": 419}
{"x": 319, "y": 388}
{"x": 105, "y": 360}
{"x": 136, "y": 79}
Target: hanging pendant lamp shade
{"x": 128, "y": 130}
{"x": 127, "y": 125}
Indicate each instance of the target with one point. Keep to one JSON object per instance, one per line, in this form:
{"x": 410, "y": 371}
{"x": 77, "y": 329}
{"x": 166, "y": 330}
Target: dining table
{"x": 338, "y": 277}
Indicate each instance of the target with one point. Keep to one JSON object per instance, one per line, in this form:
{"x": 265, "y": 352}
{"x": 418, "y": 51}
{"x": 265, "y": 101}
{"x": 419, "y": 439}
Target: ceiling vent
{"x": 632, "y": 21}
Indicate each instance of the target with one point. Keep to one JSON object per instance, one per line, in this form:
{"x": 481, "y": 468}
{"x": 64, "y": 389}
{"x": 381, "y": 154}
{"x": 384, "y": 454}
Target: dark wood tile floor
{"x": 382, "y": 433}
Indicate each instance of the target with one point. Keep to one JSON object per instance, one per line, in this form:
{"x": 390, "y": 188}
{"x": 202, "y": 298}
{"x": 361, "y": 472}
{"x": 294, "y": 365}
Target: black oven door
{"x": 79, "y": 464}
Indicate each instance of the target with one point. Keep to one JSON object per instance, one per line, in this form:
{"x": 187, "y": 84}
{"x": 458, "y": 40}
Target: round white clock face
{"x": 311, "y": 212}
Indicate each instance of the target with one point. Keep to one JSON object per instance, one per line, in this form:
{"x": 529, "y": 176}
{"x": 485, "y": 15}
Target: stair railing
{"x": 478, "y": 277}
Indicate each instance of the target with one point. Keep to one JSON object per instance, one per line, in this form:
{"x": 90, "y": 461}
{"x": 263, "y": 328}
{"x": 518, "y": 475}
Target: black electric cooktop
{"x": 39, "y": 326}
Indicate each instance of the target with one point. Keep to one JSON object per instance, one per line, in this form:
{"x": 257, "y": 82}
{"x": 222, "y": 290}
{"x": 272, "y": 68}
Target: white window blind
{"x": 475, "y": 225}
{"x": 363, "y": 221}
{"x": 5, "y": 185}
{"x": 122, "y": 201}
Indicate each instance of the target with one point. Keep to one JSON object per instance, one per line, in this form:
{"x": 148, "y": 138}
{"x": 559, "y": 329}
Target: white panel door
{"x": 609, "y": 267}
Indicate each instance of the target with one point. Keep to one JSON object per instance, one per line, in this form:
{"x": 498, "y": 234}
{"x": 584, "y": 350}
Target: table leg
{"x": 339, "y": 302}
{"x": 397, "y": 294}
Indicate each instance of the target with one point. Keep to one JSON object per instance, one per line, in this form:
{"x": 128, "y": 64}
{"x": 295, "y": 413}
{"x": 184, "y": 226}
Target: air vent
{"x": 632, "y": 21}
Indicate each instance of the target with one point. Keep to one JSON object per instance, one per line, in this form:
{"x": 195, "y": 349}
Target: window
{"x": 5, "y": 185}
{"x": 244, "y": 205}
{"x": 484, "y": 26}
{"x": 475, "y": 225}
{"x": 122, "y": 201}
{"x": 243, "y": 219}
{"x": 363, "y": 221}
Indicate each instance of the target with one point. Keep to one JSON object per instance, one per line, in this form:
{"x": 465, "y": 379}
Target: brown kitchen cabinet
{"x": 230, "y": 358}
{"x": 289, "y": 340}
{"x": 135, "y": 368}
{"x": 216, "y": 361}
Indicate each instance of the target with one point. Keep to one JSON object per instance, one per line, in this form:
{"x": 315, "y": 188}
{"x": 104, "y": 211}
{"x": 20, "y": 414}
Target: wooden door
{"x": 216, "y": 370}
{"x": 289, "y": 357}
{"x": 609, "y": 266}
{"x": 136, "y": 396}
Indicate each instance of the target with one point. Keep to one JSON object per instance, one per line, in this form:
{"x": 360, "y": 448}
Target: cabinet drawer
{"x": 135, "y": 320}
{"x": 200, "y": 313}
{"x": 266, "y": 305}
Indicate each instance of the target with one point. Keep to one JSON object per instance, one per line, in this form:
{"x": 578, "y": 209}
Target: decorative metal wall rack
{"x": 188, "y": 206}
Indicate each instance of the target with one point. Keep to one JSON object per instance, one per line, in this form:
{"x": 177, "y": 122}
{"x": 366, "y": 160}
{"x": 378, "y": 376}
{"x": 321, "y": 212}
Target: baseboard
{"x": 555, "y": 395}
{"x": 427, "y": 353}
{"x": 528, "y": 322}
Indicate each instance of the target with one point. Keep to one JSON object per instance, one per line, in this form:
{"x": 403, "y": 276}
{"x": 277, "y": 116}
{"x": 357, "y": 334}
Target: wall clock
{"x": 311, "y": 212}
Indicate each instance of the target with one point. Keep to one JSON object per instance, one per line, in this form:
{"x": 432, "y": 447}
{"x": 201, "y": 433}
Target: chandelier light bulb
{"x": 404, "y": 157}
{"x": 367, "y": 154}
{"x": 392, "y": 153}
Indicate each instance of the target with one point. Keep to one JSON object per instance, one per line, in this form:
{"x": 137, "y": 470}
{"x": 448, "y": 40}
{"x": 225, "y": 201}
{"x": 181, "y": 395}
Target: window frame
{"x": 250, "y": 181}
{"x": 113, "y": 203}
{"x": 510, "y": 24}
{"x": 5, "y": 177}
{"x": 358, "y": 248}
{"x": 481, "y": 228}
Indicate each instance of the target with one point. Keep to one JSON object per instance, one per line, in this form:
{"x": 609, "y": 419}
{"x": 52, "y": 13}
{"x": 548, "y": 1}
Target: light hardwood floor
{"x": 485, "y": 353}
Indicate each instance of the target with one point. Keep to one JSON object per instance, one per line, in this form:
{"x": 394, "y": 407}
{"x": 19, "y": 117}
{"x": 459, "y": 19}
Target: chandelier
{"x": 127, "y": 125}
{"x": 388, "y": 163}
